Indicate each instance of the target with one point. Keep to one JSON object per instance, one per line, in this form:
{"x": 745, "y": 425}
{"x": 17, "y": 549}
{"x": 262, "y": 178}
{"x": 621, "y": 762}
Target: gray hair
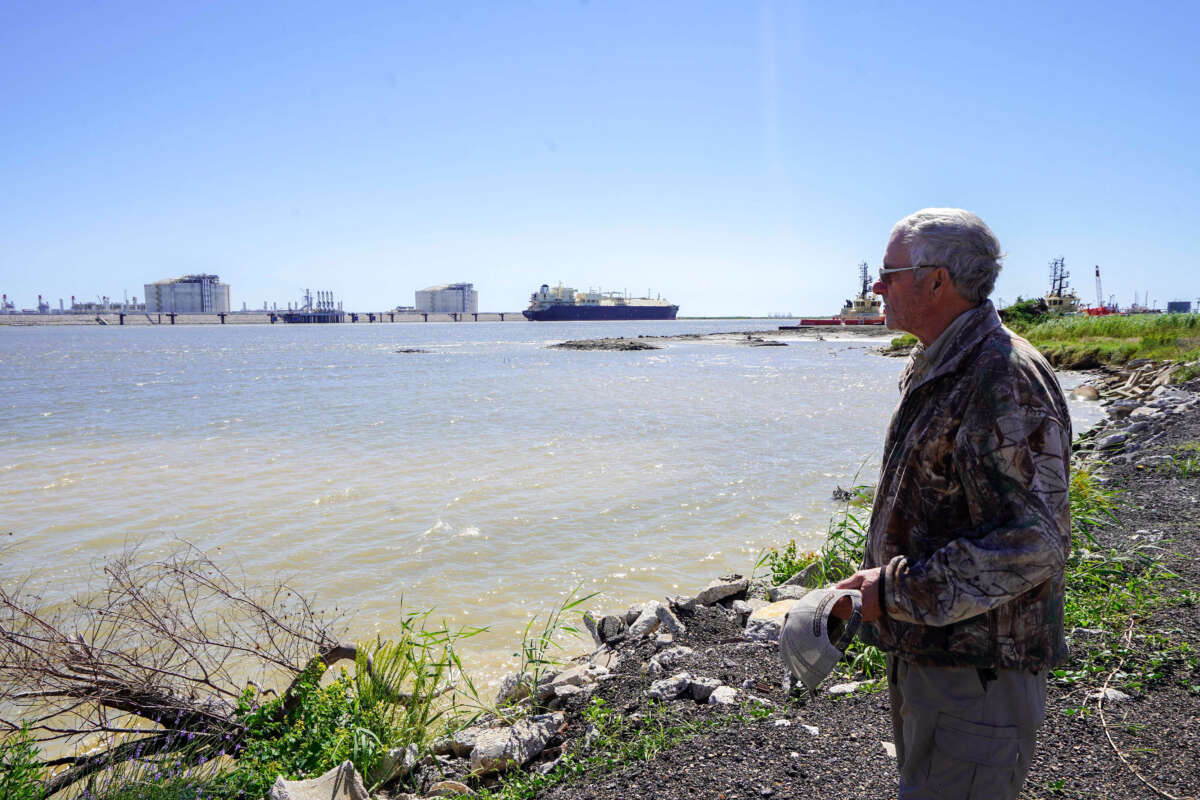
{"x": 957, "y": 240}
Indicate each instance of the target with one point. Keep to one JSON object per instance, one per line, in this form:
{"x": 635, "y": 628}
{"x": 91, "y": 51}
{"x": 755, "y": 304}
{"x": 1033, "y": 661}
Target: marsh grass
{"x": 1084, "y": 342}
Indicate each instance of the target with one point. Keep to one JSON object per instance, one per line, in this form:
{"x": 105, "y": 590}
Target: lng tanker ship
{"x": 564, "y": 303}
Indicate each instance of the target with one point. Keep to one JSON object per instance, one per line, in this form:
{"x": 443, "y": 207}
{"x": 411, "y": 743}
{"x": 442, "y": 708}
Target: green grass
{"x": 1084, "y": 342}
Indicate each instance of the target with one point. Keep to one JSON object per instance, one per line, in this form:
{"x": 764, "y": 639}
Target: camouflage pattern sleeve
{"x": 1011, "y": 456}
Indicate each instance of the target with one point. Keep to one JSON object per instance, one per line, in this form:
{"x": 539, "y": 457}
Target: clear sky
{"x": 734, "y": 157}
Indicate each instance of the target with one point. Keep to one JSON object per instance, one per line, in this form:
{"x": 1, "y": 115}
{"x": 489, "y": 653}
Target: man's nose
{"x": 879, "y": 288}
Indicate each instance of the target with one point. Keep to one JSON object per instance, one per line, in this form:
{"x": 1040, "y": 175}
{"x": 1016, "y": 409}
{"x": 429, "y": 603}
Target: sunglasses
{"x": 885, "y": 271}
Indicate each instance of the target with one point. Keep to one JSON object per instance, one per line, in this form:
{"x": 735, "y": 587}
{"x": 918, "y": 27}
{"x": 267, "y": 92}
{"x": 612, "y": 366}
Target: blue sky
{"x": 735, "y": 157}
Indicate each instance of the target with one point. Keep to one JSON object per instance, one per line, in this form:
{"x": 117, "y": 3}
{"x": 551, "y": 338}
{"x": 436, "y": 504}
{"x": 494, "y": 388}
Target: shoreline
{"x": 706, "y": 669}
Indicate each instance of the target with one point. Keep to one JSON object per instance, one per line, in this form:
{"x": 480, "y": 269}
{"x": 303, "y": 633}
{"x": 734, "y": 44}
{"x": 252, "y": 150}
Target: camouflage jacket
{"x": 971, "y": 519}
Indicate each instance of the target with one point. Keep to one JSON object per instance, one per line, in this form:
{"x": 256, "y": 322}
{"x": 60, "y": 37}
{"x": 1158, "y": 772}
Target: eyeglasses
{"x": 885, "y": 271}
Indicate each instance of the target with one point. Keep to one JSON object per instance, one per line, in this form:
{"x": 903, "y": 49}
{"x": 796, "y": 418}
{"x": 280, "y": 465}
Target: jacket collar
{"x": 947, "y": 352}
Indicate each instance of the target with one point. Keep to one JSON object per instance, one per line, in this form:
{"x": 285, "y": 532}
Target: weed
{"x": 20, "y": 769}
{"x": 539, "y": 645}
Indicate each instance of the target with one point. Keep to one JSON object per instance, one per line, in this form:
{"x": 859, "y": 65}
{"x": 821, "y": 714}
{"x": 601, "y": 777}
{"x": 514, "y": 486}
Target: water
{"x": 485, "y": 478}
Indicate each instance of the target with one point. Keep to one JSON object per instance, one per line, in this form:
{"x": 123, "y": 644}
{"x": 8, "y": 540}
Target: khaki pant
{"x": 961, "y": 735}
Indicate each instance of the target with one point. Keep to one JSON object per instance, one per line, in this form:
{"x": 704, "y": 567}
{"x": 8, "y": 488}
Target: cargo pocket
{"x": 973, "y": 760}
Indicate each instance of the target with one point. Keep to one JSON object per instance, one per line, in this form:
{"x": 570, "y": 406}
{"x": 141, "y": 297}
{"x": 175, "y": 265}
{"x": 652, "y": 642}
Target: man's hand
{"x": 867, "y": 582}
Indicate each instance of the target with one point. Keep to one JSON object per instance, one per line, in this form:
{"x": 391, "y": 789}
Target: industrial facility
{"x": 448, "y": 298}
{"x": 191, "y": 294}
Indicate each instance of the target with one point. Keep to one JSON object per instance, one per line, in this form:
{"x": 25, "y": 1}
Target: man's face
{"x": 903, "y": 304}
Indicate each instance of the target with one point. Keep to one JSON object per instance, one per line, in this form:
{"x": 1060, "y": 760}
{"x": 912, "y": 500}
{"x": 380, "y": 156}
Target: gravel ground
{"x": 1154, "y": 736}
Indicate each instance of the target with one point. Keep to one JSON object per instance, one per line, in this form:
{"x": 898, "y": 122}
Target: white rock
{"x": 787, "y": 592}
{"x": 783, "y": 723}
{"x": 647, "y": 622}
{"x": 1109, "y": 695}
{"x": 670, "y": 688}
{"x": 702, "y": 688}
{"x": 449, "y": 789}
{"x": 513, "y": 688}
{"x": 505, "y": 748}
{"x": 1112, "y": 440}
{"x": 669, "y": 621}
{"x": 723, "y": 695}
{"x": 340, "y": 783}
{"x": 667, "y": 660}
{"x": 580, "y": 675}
{"x": 889, "y": 749}
{"x": 395, "y": 762}
{"x": 844, "y": 688}
{"x": 811, "y": 730}
{"x": 722, "y": 588}
{"x": 765, "y": 623}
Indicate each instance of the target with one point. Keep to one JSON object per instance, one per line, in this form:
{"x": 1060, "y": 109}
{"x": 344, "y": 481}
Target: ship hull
{"x": 568, "y": 312}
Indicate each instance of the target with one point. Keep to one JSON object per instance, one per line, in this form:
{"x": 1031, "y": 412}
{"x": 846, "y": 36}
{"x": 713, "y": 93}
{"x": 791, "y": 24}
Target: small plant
{"x": 20, "y": 768}
{"x": 786, "y": 563}
{"x": 539, "y": 646}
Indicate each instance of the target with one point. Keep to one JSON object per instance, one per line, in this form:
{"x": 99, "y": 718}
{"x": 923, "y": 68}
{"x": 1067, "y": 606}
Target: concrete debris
{"x": 647, "y": 622}
{"x": 765, "y": 624}
{"x": 500, "y": 749}
{"x": 724, "y": 696}
{"x": 668, "y": 620}
{"x": 667, "y": 660}
{"x": 449, "y": 789}
{"x": 340, "y": 783}
{"x": 670, "y": 688}
{"x": 724, "y": 588}
{"x": 1109, "y": 695}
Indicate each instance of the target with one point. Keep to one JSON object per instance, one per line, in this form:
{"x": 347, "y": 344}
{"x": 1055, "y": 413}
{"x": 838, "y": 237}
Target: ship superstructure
{"x": 1061, "y": 298}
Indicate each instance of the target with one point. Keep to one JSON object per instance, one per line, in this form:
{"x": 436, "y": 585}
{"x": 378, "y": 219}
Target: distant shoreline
{"x": 388, "y": 317}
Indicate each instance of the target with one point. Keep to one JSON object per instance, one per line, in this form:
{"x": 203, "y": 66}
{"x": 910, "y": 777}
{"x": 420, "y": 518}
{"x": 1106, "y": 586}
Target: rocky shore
{"x": 695, "y": 686}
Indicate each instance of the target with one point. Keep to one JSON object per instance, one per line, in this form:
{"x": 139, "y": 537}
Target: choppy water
{"x": 485, "y": 478}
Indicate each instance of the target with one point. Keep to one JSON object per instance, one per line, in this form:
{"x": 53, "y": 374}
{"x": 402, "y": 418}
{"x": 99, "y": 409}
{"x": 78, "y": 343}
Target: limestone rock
{"x": 500, "y": 749}
{"x": 787, "y": 592}
{"x": 579, "y": 675}
{"x": 810, "y": 576}
{"x": 1085, "y": 392}
{"x": 667, "y": 660}
{"x": 647, "y": 622}
{"x": 682, "y": 604}
{"x": 724, "y": 696}
{"x": 702, "y": 688}
{"x": 590, "y": 622}
{"x": 340, "y": 783}
{"x": 845, "y": 688}
{"x": 513, "y": 689}
{"x": 766, "y": 623}
{"x": 449, "y": 789}
{"x": 670, "y": 688}
{"x": 668, "y": 620}
{"x": 611, "y": 627}
{"x": 1109, "y": 695}
{"x": 722, "y": 588}
{"x": 1112, "y": 440}
{"x": 395, "y": 762}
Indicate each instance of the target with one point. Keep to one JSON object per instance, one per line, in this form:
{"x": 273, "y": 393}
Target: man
{"x": 962, "y": 580}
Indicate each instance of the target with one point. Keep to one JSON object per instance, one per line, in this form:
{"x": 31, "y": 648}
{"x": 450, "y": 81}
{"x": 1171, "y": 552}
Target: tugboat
{"x": 865, "y": 309}
{"x": 1061, "y": 299}
{"x": 564, "y": 303}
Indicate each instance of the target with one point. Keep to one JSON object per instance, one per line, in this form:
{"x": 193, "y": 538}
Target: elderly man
{"x": 962, "y": 581}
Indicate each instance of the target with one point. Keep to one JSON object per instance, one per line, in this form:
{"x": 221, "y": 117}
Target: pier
{"x": 127, "y": 318}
